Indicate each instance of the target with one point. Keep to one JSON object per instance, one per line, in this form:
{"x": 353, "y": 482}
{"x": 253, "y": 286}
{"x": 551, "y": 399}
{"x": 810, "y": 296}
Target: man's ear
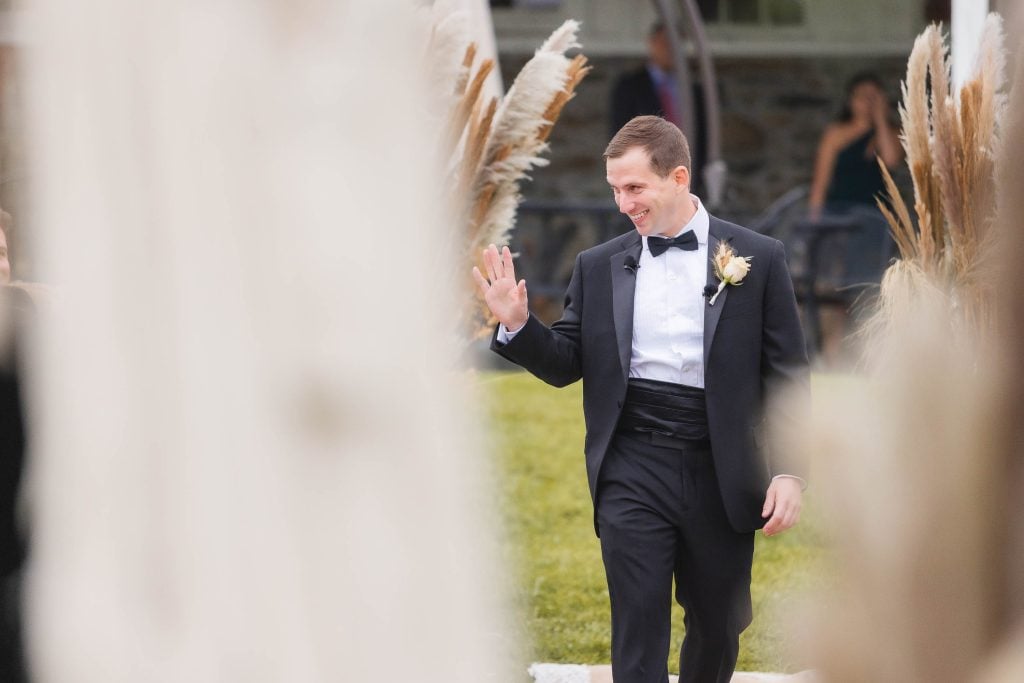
{"x": 682, "y": 176}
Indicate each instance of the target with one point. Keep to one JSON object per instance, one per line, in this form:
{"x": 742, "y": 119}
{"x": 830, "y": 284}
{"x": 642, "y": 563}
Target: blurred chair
{"x": 779, "y": 219}
{"x": 844, "y": 257}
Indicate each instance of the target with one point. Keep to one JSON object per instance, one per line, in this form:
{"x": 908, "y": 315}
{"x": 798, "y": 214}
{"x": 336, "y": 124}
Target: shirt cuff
{"x": 505, "y": 335}
{"x": 803, "y": 482}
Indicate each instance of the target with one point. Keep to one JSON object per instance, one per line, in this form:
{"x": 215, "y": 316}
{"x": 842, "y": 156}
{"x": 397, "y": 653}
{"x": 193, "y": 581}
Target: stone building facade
{"x": 773, "y": 110}
{"x": 778, "y": 84}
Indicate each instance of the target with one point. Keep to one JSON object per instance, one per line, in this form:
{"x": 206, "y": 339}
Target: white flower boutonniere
{"x": 730, "y": 269}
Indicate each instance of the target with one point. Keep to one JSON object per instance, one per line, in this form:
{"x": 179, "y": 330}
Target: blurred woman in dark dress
{"x": 846, "y": 171}
{"x": 847, "y": 175}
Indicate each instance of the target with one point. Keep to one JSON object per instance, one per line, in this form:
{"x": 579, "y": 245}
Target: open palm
{"x": 504, "y": 296}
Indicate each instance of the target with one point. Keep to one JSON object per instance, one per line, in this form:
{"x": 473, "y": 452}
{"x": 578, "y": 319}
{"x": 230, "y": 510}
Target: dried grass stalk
{"x": 950, "y": 142}
{"x": 489, "y": 146}
{"x": 900, "y": 224}
{"x": 916, "y": 118}
{"x": 516, "y": 143}
{"x": 476, "y": 140}
{"x": 467, "y": 103}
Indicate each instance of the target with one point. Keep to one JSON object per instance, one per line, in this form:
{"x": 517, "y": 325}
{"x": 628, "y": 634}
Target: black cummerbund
{"x": 664, "y": 408}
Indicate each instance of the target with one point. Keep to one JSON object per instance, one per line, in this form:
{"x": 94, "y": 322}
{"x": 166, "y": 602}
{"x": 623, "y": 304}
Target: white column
{"x": 252, "y": 461}
{"x": 968, "y": 20}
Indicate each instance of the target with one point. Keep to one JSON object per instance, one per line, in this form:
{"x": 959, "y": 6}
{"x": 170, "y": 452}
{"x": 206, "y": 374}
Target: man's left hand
{"x": 782, "y": 505}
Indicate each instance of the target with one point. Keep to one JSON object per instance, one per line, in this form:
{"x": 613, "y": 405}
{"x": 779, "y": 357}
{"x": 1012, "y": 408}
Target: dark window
{"x": 938, "y": 11}
{"x": 748, "y": 12}
{"x": 743, "y": 11}
{"x": 708, "y": 10}
{"x": 786, "y": 12}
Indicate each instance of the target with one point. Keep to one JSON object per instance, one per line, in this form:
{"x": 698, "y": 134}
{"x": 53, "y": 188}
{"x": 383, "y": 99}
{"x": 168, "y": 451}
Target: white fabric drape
{"x": 243, "y": 471}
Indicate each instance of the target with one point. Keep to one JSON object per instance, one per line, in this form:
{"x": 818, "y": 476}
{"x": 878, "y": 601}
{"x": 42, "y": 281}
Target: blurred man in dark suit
{"x": 652, "y": 90}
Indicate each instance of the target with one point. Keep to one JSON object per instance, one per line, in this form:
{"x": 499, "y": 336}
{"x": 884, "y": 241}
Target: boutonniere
{"x": 730, "y": 269}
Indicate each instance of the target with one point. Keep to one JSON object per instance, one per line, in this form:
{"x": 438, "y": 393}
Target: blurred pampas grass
{"x": 910, "y": 466}
{"x": 921, "y": 461}
{"x": 951, "y": 141}
{"x": 490, "y": 144}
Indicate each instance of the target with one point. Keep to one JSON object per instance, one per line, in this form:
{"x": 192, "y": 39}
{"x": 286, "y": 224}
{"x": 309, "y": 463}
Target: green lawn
{"x": 560, "y": 593}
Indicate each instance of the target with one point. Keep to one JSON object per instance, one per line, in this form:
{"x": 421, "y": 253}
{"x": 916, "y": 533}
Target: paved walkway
{"x": 575, "y": 673}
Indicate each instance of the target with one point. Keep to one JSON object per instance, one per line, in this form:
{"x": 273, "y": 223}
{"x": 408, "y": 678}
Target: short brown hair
{"x": 665, "y": 144}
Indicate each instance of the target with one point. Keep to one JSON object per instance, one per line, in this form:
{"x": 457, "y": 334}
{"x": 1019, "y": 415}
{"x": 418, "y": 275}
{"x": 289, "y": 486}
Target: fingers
{"x": 776, "y": 524}
{"x": 509, "y": 268}
{"x": 769, "y": 502}
{"x": 481, "y": 281}
{"x": 498, "y": 265}
{"x": 786, "y": 515}
{"x": 492, "y": 263}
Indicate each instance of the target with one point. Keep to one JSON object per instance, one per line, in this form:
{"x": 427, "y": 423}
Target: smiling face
{"x": 657, "y": 205}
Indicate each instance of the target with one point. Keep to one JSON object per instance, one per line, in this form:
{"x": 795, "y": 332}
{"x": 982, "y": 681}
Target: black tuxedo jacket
{"x": 753, "y": 345}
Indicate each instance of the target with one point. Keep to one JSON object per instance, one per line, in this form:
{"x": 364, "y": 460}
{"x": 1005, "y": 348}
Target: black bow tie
{"x": 659, "y": 245}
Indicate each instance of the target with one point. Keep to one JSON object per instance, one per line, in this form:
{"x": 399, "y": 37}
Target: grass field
{"x": 560, "y": 594}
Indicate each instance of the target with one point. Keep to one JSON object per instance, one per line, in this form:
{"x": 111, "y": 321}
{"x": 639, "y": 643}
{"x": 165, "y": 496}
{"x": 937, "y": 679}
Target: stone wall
{"x": 773, "y": 112}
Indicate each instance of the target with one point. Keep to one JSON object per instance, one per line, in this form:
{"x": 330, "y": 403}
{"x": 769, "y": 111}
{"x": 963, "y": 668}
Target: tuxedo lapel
{"x": 713, "y": 313}
{"x": 623, "y": 290}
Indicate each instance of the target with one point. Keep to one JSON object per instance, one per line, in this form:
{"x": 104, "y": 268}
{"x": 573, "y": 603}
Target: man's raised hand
{"x": 504, "y": 296}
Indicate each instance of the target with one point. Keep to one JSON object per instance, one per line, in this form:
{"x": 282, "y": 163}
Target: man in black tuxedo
{"x": 675, "y": 382}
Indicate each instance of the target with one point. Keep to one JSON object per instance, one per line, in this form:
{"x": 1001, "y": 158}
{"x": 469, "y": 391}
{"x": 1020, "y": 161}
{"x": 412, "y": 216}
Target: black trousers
{"x": 660, "y": 514}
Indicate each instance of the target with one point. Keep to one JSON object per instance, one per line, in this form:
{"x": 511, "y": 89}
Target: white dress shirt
{"x": 668, "y": 310}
